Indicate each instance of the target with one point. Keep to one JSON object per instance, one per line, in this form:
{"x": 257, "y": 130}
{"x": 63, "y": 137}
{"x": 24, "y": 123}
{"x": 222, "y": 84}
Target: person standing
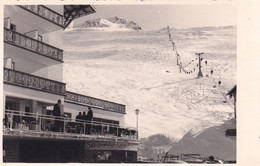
{"x": 89, "y": 120}
{"x": 57, "y": 113}
{"x": 79, "y": 125}
{"x": 84, "y": 119}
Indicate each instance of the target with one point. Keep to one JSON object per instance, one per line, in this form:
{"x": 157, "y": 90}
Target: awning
{"x": 72, "y": 12}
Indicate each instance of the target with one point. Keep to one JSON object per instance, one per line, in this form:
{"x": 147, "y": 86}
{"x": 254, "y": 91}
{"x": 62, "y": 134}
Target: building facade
{"x": 33, "y": 83}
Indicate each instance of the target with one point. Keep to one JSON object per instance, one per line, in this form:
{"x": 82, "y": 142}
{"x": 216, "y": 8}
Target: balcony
{"x": 45, "y": 13}
{"x": 33, "y": 45}
{"x": 103, "y": 104}
{"x": 33, "y": 82}
{"x": 41, "y": 126}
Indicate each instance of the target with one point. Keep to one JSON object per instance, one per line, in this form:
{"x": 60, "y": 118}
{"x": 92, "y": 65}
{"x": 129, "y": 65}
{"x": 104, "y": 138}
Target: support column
{"x": 34, "y": 106}
{"x": 4, "y": 100}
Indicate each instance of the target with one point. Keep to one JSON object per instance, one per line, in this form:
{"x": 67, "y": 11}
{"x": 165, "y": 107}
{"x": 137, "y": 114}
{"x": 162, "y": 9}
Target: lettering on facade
{"x": 95, "y": 102}
{"x": 105, "y": 145}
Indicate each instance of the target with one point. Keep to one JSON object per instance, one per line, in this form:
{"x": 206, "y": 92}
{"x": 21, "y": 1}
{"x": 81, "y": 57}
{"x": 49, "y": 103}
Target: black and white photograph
{"x": 120, "y": 83}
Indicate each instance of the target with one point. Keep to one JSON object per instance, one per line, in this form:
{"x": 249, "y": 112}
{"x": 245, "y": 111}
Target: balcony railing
{"x": 31, "y": 44}
{"x": 42, "y": 124}
{"x": 45, "y": 13}
{"x": 107, "y": 105}
{"x": 34, "y": 82}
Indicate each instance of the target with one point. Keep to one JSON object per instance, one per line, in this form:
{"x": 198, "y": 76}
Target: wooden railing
{"x": 31, "y": 44}
{"x": 45, "y": 13}
{"x": 82, "y": 99}
{"x": 35, "y": 82}
{"x": 26, "y": 121}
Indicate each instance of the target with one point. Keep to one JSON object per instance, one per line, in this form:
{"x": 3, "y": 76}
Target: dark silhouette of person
{"x": 79, "y": 126}
{"x": 84, "y": 120}
{"x": 57, "y": 113}
{"x": 89, "y": 120}
{"x": 79, "y": 117}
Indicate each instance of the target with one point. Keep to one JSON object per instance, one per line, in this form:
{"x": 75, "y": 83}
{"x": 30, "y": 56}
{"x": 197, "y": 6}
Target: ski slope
{"x": 138, "y": 69}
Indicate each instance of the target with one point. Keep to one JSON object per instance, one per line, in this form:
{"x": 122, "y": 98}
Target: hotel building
{"x": 33, "y": 83}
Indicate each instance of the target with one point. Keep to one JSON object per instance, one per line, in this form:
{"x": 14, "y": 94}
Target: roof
{"x": 72, "y": 12}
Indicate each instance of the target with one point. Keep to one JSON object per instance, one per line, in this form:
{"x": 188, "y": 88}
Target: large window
{"x": 106, "y": 121}
{"x": 12, "y": 105}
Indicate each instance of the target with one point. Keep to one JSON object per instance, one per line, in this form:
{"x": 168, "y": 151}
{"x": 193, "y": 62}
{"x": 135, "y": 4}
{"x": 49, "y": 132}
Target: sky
{"x": 154, "y": 17}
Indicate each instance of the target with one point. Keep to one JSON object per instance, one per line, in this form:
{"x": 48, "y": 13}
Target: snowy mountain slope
{"x": 109, "y": 24}
{"x": 212, "y": 141}
{"x": 138, "y": 69}
{"x": 155, "y": 145}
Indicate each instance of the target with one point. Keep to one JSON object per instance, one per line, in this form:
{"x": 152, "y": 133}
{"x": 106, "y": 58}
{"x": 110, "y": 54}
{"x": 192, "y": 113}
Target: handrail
{"x": 35, "y": 82}
{"x": 107, "y": 105}
{"x": 45, "y": 13}
{"x": 31, "y": 44}
{"x": 18, "y": 120}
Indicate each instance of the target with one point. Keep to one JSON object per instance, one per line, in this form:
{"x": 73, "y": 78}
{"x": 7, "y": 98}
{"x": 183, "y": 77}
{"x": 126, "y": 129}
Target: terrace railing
{"x": 33, "y": 45}
{"x": 34, "y": 82}
{"x": 42, "y": 123}
{"x": 107, "y": 105}
{"x": 45, "y": 13}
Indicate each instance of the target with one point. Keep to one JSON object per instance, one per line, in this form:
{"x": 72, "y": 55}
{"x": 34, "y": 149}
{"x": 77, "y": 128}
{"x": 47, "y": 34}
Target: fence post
{"x": 40, "y": 123}
{"x": 64, "y": 125}
{"x": 11, "y": 125}
{"x": 84, "y": 132}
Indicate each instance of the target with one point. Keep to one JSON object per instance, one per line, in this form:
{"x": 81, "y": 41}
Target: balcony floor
{"x": 50, "y": 135}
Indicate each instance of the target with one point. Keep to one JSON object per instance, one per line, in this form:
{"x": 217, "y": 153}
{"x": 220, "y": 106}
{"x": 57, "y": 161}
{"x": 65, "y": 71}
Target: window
{"x": 106, "y": 121}
{"x": 12, "y": 105}
{"x": 67, "y": 115}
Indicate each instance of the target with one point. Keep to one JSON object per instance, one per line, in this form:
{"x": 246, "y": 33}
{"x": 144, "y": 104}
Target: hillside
{"x": 138, "y": 69}
{"x": 209, "y": 142}
{"x": 212, "y": 141}
{"x": 155, "y": 146}
{"x": 109, "y": 24}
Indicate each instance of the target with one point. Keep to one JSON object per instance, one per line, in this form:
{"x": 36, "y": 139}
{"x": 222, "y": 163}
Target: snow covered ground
{"x": 138, "y": 69}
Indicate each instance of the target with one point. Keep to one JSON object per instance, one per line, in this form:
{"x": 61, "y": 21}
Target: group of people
{"x": 86, "y": 118}
{"x": 79, "y": 118}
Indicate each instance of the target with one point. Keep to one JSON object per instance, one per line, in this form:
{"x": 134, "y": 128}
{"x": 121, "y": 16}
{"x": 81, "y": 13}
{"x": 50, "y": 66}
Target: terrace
{"x": 35, "y": 125}
{"x": 45, "y": 13}
{"x": 33, "y": 82}
{"x": 33, "y": 45}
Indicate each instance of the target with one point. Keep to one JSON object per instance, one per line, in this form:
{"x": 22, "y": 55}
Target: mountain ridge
{"x": 111, "y": 23}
